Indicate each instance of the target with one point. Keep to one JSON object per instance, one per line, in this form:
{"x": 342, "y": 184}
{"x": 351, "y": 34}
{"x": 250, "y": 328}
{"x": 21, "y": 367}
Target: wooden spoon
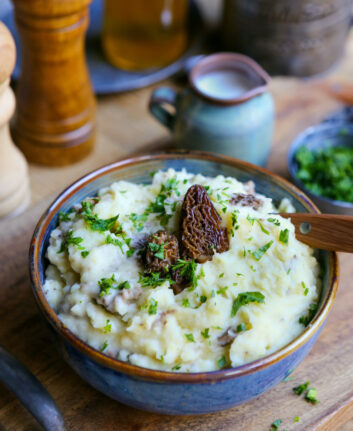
{"x": 326, "y": 231}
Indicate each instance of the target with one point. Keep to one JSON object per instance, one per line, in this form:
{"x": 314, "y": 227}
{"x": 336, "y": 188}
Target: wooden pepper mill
{"x": 14, "y": 184}
{"x": 55, "y": 119}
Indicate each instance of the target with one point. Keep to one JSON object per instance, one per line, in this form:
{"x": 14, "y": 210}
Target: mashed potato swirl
{"x": 95, "y": 279}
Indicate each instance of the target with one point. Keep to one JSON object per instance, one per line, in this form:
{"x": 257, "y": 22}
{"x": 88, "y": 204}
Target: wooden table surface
{"x": 124, "y": 127}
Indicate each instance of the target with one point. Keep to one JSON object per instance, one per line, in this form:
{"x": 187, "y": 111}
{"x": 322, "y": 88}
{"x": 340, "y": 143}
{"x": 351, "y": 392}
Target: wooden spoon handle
{"x": 325, "y": 231}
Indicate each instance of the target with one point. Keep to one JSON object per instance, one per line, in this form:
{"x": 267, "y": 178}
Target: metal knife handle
{"x": 19, "y": 380}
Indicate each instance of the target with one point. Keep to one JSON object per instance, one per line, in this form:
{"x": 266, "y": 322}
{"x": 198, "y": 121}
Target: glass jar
{"x": 141, "y": 35}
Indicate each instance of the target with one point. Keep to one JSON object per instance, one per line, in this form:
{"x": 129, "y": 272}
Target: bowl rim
{"x": 159, "y": 375}
{"x": 299, "y": 142}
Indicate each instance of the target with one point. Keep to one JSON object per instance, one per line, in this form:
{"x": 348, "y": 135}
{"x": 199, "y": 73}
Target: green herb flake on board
{"x": 311, "y": 396}
{"x": 301, "y": 388}
{"x": 296, "y": 419}
{"x": 245, "y": 298}
{"x": 275, "y": 424}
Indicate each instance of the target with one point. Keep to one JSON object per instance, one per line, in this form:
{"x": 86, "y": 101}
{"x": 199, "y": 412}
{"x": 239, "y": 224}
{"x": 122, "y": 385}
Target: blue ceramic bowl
{"x": 324, "y": 135}
{"x": 168, "y": 392}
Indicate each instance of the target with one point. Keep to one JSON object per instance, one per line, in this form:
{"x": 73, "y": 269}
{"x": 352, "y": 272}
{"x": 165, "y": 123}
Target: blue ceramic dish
{"x": 168, "y": 392}
{"x": 337, "y": 133}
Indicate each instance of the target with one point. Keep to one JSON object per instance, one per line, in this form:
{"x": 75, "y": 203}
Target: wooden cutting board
{"x": 124, "y": 126}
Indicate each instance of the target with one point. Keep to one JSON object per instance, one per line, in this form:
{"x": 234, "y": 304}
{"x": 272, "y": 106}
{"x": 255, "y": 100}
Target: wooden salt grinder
{"x": 55, "y": 119}
{"x": 14, "y": 184}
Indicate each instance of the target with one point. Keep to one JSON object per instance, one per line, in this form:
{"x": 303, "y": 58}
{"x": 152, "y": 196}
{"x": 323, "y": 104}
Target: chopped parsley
{"x": 176, "y": 367}
{"x": 70, "y": 239}
{"x": 205, "y": 333}
{"x": 327, "y": 172}
{"x": 221, "y": 275}
{"x": 257, "y": 254}
{"x": 65, "y": 216}
{"x": 84, "y": 253}
{"x": 185, "y": 303}
{"x": 93, "y": 221}
{"x": 311, "y": 396}
{"x": 240, "y": 328}
{"x": 274, "y": 221}
{"x": 190, "y": 337}
{"x": 138, "y": 220}
{"x": 245, "y": 298}
{"x": 105, "y": 345}
{"x": 306, "y": 289}
{"x": 276, "y": 424}
{"x": 157, "y": 249}
{"x": 252, "y": 220}
{"x": 235, "y": 225}
{"x": 296, "y": 419}
{"x": 152, "y": 309}
{"x": 110, "y": 240}
{"x": 107, "y": 327}
{"x": 188, "y": 271}
{"x": 305, "y": 320}
{"x": 284, "y": 236}
{"x": 222, "y": 362}
{"x": 222, "y": 290}
{"x": 301, "y": 388}
{"x": 153, "y": 279}
{"x": 203, "y": 299}
{"x": 105, "y": 284}
{"x": 159, "y": 206}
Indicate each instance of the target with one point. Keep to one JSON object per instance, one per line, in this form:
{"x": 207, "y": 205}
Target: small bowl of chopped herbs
{"x": 320, "y": 162}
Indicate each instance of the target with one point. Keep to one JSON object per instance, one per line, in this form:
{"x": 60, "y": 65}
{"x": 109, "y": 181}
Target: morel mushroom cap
{"x": 200, "y": 225}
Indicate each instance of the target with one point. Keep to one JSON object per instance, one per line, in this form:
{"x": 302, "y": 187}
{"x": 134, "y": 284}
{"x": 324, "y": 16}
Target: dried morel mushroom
{"x": 246, "y": 200}
{"x": 201, "y": 231}
{"x": 162, "y": 251}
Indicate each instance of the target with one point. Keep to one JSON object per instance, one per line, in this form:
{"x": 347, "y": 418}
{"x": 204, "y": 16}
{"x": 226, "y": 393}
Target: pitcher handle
{"x": 163, "y": 96}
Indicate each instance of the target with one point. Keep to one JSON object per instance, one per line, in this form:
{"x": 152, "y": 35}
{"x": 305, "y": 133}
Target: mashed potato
{"x": 243, "y": 304}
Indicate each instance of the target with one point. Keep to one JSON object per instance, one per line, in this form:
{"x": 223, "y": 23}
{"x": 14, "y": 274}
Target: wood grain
{"x": 125, "y": 127}
{"x": 327, "y": 231}
{"x": 55, "y": 119}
